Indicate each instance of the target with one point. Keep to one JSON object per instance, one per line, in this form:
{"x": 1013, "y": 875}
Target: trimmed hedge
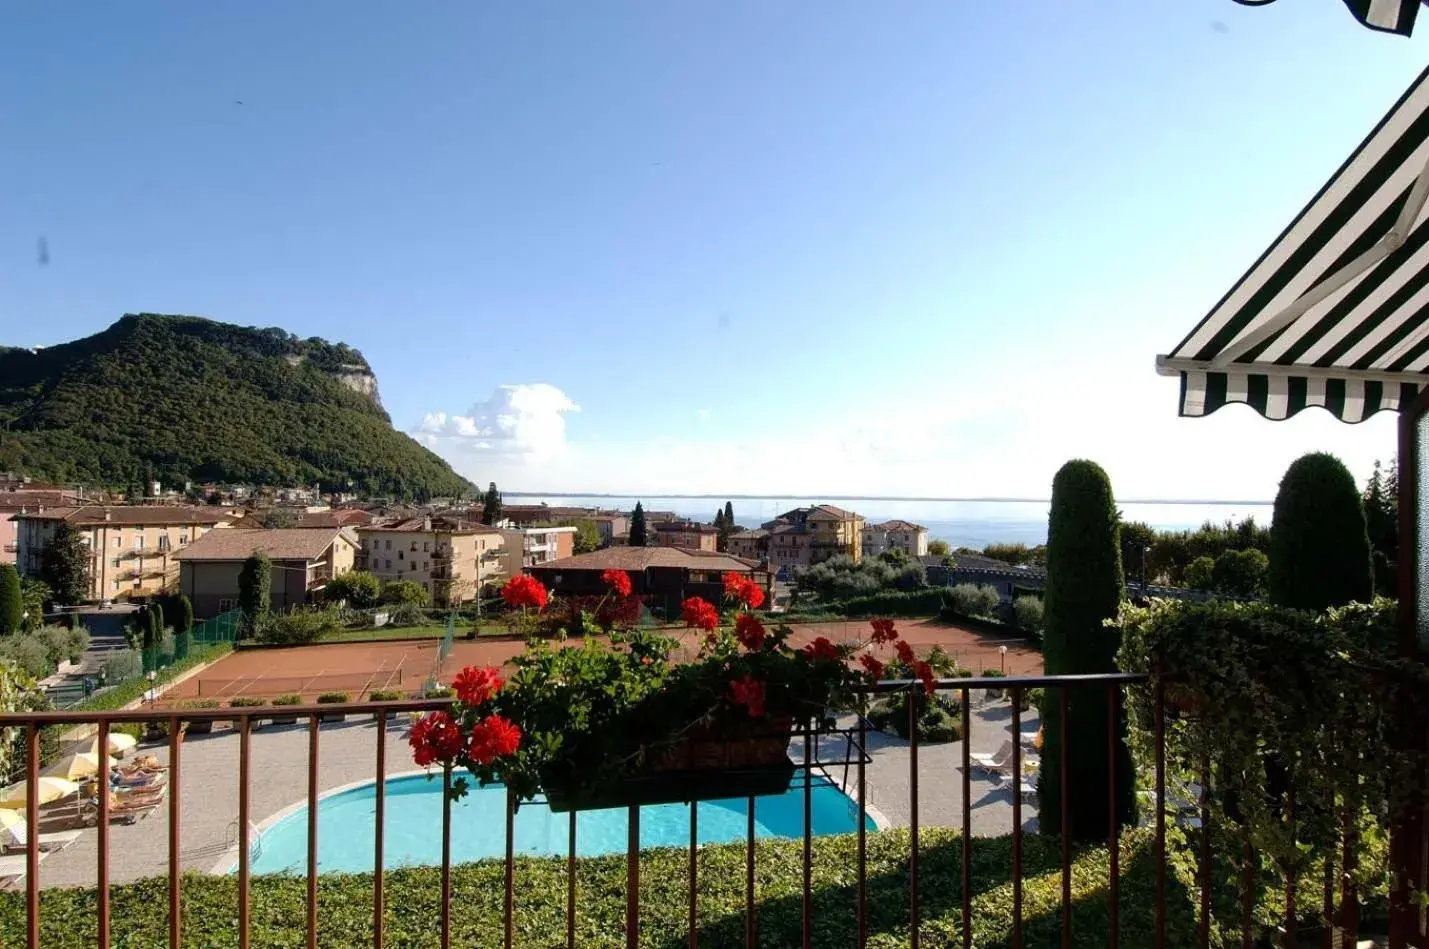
{"x": 1319, "y": 544}
{"x": 413, "y": 900}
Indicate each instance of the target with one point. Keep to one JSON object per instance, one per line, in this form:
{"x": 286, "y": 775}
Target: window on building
{"x": 137, "y": 583}
{"x": 163, "y": 541}
{"x": 183, "y": 539}
{"x": 389, "y": 545}
{"x": 116, "y": 584}
{"x": 114, "y": 563}
{"x": 388, "y": 564}
{"x": 426, "y": 546}
{"x": 139, "y": 542}
{"x": 425, "y": 566}
{"x": 399, "y": 555}
{"x": 118, "y": 541}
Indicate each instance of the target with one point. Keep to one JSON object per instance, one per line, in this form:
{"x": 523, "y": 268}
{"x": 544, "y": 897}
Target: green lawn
{"x": 412, "y": 900}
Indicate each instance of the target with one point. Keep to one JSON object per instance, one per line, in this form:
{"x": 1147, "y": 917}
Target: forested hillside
{"x": 186, "y": 398}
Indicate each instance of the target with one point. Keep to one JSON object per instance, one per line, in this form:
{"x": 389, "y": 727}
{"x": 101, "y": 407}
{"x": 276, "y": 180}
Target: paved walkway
{"x": 209, "y": 790}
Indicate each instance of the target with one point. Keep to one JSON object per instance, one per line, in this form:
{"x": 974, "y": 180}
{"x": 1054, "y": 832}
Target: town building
{"x": 810, "y": 535}
{"x": 452, "y": 558}
{"x": 910, "y": 538}
{"x": 534, "y": 546}
{"x": 19, "y": 495}
{"x": 132, "y": 546}
{"x": 608, "y": 524}
{"x": 345, "y": 517}
{"x": 663, "y": 576}
{"x": 686, "y": 534}
{"x": 304, "y": 560}
{"x": 750, "y": 544}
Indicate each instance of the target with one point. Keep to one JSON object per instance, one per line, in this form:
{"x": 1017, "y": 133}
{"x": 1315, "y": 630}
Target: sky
{"x": 914, "y": 248}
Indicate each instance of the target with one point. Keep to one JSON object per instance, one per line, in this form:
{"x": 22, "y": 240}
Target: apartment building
{"x": 608, "y": 524}
{"x": 536, "y": 546}
{"x": 18, "y": 497}
{"x": 303, "y": 561}
{"x": 809, "y": 535}
{"x": 132, "y": 547}
{"x": 750, "y": 544}
{"x": 686, "y": 534}
{"x": 453, "y": 559}
{"x": 910, "y": 538}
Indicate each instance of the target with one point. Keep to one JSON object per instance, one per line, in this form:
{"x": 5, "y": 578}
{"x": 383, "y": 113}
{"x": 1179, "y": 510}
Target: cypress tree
{"x": 638, "y": 536}
{"x": 11, "y": 606}
{"x": 64, "y": 565}
{"x": 185, "y": 615}
{"x": 1319, "y": 545}
{"x": 154, "y": 631}
{"x": 491, "y": 505}
{"x": 254, "y": 585}
{"x": 1084, "y": 588}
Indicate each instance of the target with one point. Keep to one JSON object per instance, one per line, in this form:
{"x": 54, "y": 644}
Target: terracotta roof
{"x": 832, "y": 511}
{"x": 897, "y": 525}
{"x": 94, "y": 515}
{"x": 340, "y": 518}
{"x": 439, "y": 523}
{"x": 685, "y": 527}
{"x": 639, "y": 558}
{"x": 28, "y": 501}
{"x": 287, "y": 543}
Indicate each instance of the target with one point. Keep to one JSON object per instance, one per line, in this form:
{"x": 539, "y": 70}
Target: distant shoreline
{"x": 870, "y": 497}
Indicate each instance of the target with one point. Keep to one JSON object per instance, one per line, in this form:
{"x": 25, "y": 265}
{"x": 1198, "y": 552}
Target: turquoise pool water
{"x": 413, "y": 822}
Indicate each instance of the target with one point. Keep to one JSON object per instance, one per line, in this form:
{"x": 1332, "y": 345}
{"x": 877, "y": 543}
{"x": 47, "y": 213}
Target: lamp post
{"x": 1144, "y": 581}
{"x": 1002, "y": 653}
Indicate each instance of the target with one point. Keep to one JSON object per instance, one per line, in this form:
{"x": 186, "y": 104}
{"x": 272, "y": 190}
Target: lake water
{"x": 960, "y": 523}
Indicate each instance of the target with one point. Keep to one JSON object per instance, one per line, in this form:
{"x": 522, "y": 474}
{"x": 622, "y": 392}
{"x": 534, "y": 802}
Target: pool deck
{"x": 347, "y": 754}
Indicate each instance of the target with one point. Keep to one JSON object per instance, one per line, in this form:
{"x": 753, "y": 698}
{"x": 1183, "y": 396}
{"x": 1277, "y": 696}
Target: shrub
{"x": 183, "y": 615}
{"x": 405, "y": 591}
{"x": 123, "y": 665}
{"x": 246, "y": 701}
{"x": 292, "y": 698}
{"x": 202, "y": 703}
{"x": 334, "y": 698}
{"x": 1319, "y": 545}
{"x": 254, "y": 592}
{"x": 29, "y": 653}
{"x": 1201, "y": 574}
{"x": 405, "y": 614}
{"x": 935, "y": 722}
{"x": 358, "y": 587}
{"x": 1028, "y": 611}
{"x": 11, "y": 604}
{"x": 1241, "y": 572}
{"x": 299, "y": 626}
{"x": 440, "y": 692}
{"x": 384, "y": 695}
{"x": 924, "y": 602}
{"x": 971, "y": 599}
{"x": 1084, "y": 590}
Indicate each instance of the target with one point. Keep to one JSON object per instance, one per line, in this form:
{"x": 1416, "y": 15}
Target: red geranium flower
{"x": 435, "y": 737}
{"x": 820, "y": 648}
{"x": 749, "y": 631}
{"x": 905, "y": 652}
{"x": 883, "y": 631}
{"x": 744, "y": 589}
{"x": 925, "y": 672}
{"x": 874, "y": 667}
{"x": 525, "y": 590}
{"x": 748, "y": 692}
{"x": 492, "y": 738}
{"x": 699, "y": 614}
{"x": 475, "y": 685}
{"x": 617, "y": 580}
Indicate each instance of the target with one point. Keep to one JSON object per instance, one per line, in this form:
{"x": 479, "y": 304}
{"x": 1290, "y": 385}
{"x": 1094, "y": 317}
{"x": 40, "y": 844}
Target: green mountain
{"x": 184, "y": 398}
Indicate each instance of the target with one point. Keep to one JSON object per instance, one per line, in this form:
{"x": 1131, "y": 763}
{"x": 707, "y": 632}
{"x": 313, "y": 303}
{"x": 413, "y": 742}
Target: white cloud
{"x": 517, "y": 422}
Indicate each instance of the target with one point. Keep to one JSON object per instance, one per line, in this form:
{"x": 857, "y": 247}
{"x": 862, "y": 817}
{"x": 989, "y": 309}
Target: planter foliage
{"x": 622, "y": 721}
{"x": 1084, "y": 590}
{"x": 1267, "y": 696}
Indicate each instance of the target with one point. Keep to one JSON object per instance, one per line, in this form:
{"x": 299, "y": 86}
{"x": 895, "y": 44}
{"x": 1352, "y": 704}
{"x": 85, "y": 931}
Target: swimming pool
{"x": 413, "y": 821}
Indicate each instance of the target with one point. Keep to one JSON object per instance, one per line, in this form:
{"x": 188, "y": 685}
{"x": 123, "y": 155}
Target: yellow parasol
{"x": 48, "y": 789}
{"x": 85, "y": 764}
{"x": 119, "y": 743}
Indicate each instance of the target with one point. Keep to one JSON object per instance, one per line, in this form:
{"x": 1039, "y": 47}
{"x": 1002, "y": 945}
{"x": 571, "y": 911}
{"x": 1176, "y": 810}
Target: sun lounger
{"x": 13, "y": 868}
{"x": 996, "y": 762}
{"x": 52, "y": 842}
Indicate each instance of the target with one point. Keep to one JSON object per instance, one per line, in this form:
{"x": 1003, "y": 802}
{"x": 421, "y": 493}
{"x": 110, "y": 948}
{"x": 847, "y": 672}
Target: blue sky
{"x": 921, "y": 248}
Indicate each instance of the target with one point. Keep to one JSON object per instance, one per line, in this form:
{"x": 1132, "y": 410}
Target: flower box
{"x": 631, "y": 718}
{"x": 703, "y": 767}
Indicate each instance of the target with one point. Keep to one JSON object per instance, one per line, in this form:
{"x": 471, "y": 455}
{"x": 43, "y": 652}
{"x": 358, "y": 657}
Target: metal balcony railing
{"x": 1151, "y": 931}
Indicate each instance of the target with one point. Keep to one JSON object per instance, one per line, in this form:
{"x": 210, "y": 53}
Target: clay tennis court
{"x": 360, "y": 668}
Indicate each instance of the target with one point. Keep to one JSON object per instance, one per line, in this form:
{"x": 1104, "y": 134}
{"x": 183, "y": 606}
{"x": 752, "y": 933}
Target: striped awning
{"x": 1336, "y": 313}
{"x": 1391, "y": 16}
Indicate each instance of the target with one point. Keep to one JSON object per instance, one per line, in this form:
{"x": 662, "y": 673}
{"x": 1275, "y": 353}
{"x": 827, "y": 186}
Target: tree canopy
{"x": 638, "y": 535}
{"x": 1319, "y": 544}
{"x": 64, "y": 566}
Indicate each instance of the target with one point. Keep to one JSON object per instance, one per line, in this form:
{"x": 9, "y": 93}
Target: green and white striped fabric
{"x": 1336, "y": 313}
